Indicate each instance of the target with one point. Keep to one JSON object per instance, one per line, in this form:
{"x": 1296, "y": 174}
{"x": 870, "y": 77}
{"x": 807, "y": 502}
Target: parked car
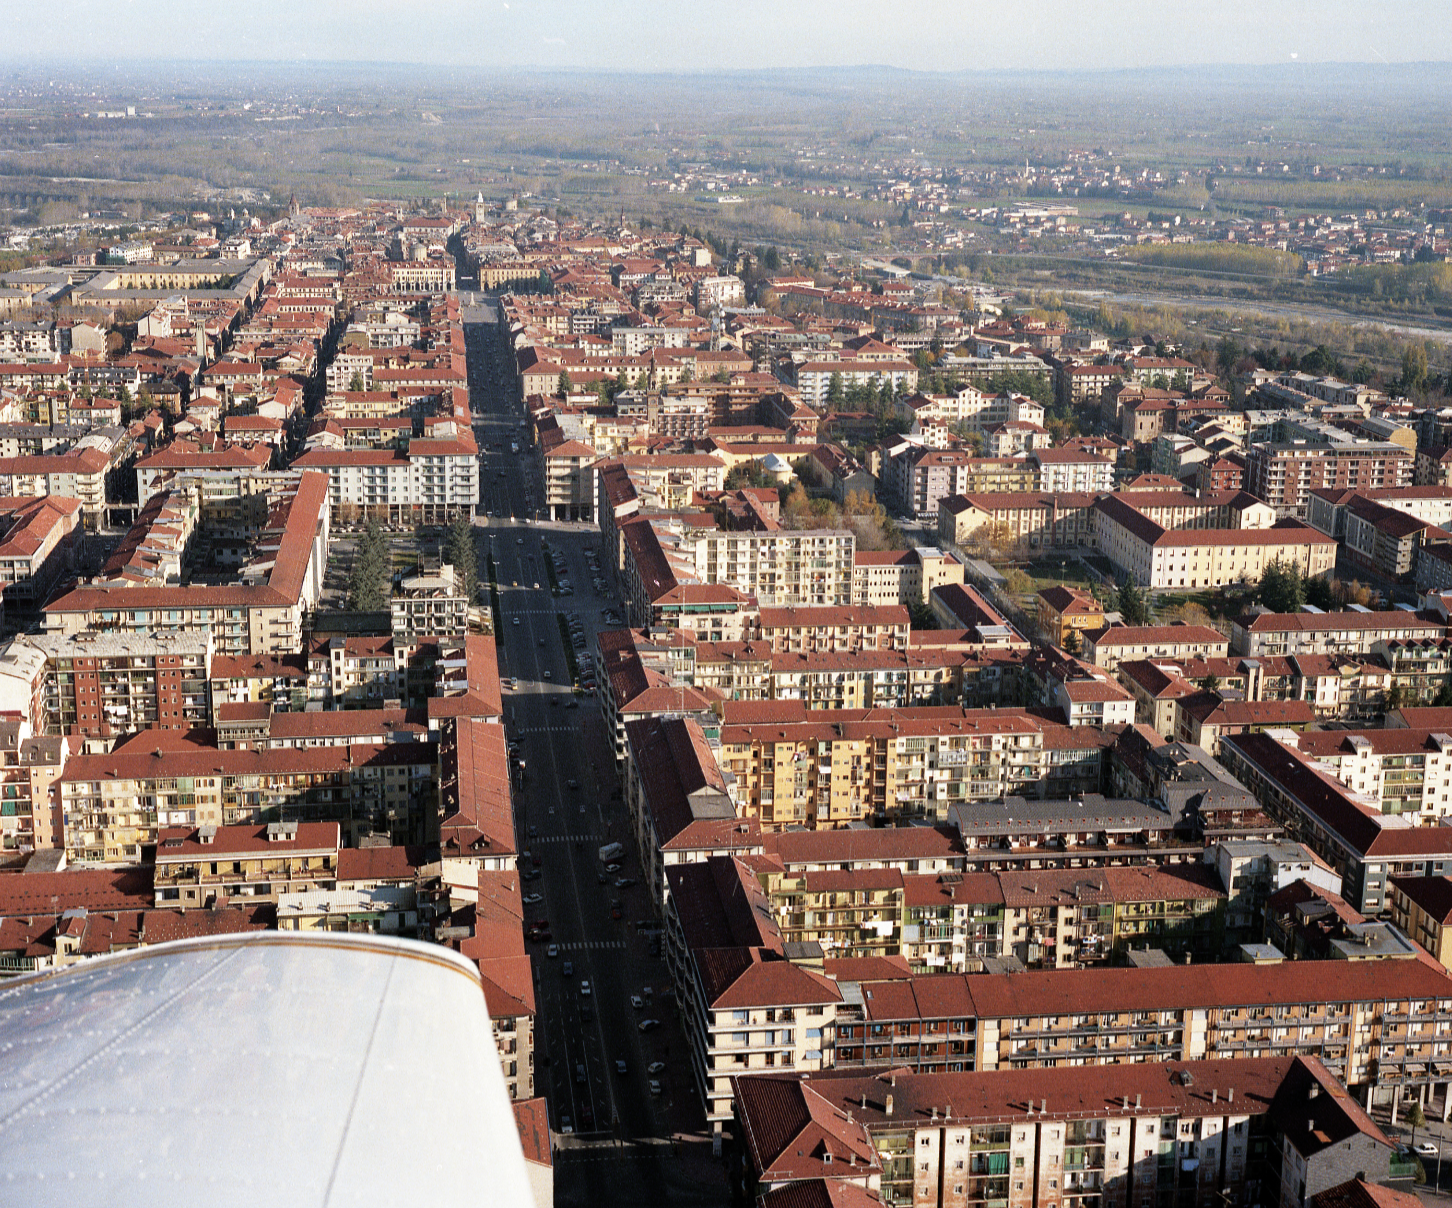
{"x": 648, "y": 1025}
{"x": 654, "y": 1087}
{"x": 656, "y": 1067}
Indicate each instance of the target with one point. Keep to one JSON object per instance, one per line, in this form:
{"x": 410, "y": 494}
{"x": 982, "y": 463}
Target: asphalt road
{"x": 624, "y": 1148}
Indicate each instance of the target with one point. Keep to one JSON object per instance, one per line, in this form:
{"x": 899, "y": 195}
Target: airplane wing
{"x": 270, "y": 1067}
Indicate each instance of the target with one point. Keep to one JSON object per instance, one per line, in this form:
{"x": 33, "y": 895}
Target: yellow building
{"x": 1062, "y": 609}
{"x": 1422, "y": 907}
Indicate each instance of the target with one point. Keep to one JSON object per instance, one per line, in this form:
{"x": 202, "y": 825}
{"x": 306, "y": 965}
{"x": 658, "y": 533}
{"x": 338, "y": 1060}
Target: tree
{"x": 1414, "y": 367}
{"x": 1018, "y": 582}
{"x": 1210, "y": 683}
{"x": 459, "y": 551}
{"x": 1134, "y": 604}
{"x": 370, "y": 580}
{"x": 1072, "y": 642}
{"x": 1394, "y": 696}
{"x": 835, "y": 393}
{"x": 1416, "y": 1118}
{"x": 355, "y": 383}
{"x": 1282, "y": 587}
{"x": 564, "y": 385}
{"x": 1443, "y": 699}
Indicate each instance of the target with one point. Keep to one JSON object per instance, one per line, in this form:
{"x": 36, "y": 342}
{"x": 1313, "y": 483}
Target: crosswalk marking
{"x": 568, "y": 839}
{"x": 582, "y": 945}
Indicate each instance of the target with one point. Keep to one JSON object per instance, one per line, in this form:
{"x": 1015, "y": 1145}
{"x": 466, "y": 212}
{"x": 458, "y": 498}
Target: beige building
{"x": 261, "y": 614}
{"x": 1192, "y": 559}
{"x": 908, "y": 576}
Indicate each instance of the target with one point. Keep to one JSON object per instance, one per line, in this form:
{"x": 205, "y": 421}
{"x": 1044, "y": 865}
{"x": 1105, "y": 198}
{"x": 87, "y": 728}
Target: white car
{"x": 585, "y": 988}
{"x": 637, "y": 1002}
{"x": 565, "y": 1125}
{"x": 552, "y": 951}
{"x": 531, "y": 898}
{"x": 654, "y": 1087}
{"x": 655, "y": 1067}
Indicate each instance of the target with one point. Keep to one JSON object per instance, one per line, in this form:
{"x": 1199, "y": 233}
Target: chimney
{"x": 935, "y": 1113}
{"x": 1136, "y": 1103}
{"x": 1125, "y": 1106}
{"x": 1214, "y": 1095}
{"x": 887, "y": 1107}
{"x": 1043, "y": 1107}
{"x": 1230, "y": 1095}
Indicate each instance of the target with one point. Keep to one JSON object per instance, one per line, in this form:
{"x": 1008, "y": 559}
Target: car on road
{"x": 536, "y": 585}
{"x": 612, "y": 868}
{"x": 585, "y": 988}
{"x": 621, "y": 1068}
{"x": 574, "y": 784}
{"x": 552, "y": 951}
{"x": 654, "y": 1087}
{"x": 655, "y": 1067}
{"x": 565, "y": 1126}
{"x": 624, "y": 882}
{"x": 648, "y": 1025}
{"x": 531, "y": 898}
{"x": 587, "y": 1116}
{"x": 516, "y": 620}
{"x": 567, "y": 969}
{"x": 572, "y": 704}
{"x": 530, "y": 874}
{"x": 1425, "y": 1149}
{"x": 533, "y": 831}
{"x": 548, "y": 674}
{"x": 519, "y": 541}
{"x": 637, "y": 1002}
{"x": 579, "y": 1072}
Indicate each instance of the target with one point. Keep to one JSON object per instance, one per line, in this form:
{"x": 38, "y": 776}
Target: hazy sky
{"x": 675, "y": 35}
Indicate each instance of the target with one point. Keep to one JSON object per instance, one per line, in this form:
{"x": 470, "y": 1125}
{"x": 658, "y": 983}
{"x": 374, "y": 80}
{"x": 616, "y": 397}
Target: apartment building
{"x": 840, "y": 766}
{"x": 432, "y": 481}
{"x": 1161, "y": 558}
{"x": 1203, "y": 1133}
{"x": 1312, "y": 631}
{"x": 1284, "y": 473}
{"x": 1041, "y": 918}
{"x": 812, "y": 567}
{"x": 1115, "y": 644}
{"x": 971, "y": 407}
{"x": 1422, "y": 908}
{"x": 1376, "y": 1025}
{"x": 261, "y": 614}
{"x": 814, "y": 378}
{"x": 883, "y": 578}
{"x": 925, "y": 477}
{"x": 1020, "y": 520}
{"x": 430, "y": 603}
{"x": 863, "y": 627}
{"x": 30, "y": 764}
{"x": 195, "y": 867}
{"x": 1341, "y": 826}
{"x": 116, "y": 803}
{"x": 109, "y": 684}
{"x": 1405, "y": 771}
{"x": 1071, "y": 470}
{"x": 743, "y": 1005}
{"x": 1062, "y": 609}
{"x": 39, "y": 541}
